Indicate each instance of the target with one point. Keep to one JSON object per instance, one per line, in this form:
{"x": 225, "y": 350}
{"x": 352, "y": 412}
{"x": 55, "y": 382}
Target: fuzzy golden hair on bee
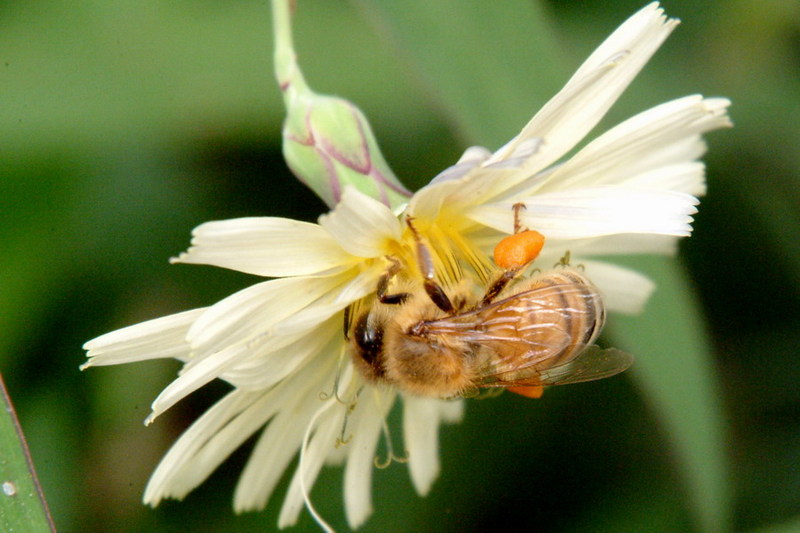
{"x": 424, "y": 362}
{"x": 515, "y": 332}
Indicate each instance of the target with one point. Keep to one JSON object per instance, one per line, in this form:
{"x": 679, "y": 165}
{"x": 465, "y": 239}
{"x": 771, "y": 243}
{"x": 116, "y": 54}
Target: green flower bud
{"x": 327, "y": 141}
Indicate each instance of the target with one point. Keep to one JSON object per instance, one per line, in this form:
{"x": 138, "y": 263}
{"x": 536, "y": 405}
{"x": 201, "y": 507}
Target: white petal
{"x": 690, "y": 148}
{"x": 297, "y": 399}
{"x": 255, "y": 338}
{"x": 159, "y": 338}
{"x": 197, "y": 375}
{"x": 174, "y": 477}
{"x": 328, "y": 425}
{"x": 267, "y": 463}
{"x": 253, "y": 311}
{"x": 642, "y": 143}
{"x": 266, "y": 367}
{"x": 265, "y": 246}
{"x": 367, "y": 420}
{"x": 586, "y": 97}
{"x": 471, "y": 158}
{"x": 225, "y": 439}
{"x": 624, "y": 290}
{"x": 688, "y": 178}
{"x": 421, "y": 419}
{"x": 230, "y": 422}
{"x": 333, "y": 302}
{"x": 474, "y": 155}
{"x": 620, "y": 244}
{"x": 592, "y": 212}
{"x": 427, "y": 202}
{"x": 361, "y": 225}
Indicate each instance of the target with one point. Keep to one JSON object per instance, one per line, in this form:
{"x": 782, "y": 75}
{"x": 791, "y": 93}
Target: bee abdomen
{"x": 549, "y": 321}
{"x": 587, "y": 313}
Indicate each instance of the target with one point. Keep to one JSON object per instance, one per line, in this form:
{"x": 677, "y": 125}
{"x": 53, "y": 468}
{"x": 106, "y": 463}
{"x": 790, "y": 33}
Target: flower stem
{"x": 289, "y": 76}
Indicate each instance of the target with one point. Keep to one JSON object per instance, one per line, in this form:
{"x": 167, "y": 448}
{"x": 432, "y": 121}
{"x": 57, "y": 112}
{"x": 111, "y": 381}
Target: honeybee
{"x": 518, "y": 336}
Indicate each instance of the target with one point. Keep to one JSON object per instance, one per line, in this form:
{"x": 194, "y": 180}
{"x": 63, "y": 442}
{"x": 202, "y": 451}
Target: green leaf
{"x": 489, "y": 64}
{"x": 791, "y": 526}
{"x": 22, "y": 505}
{"x": 675, "y": 371}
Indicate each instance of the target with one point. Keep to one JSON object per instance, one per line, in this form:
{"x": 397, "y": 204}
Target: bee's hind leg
{"x": 513, "y": 254}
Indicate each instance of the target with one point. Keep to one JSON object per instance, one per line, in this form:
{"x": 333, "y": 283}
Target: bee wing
{"x": 590, "y": 364}
{"x": 530, "y": 331}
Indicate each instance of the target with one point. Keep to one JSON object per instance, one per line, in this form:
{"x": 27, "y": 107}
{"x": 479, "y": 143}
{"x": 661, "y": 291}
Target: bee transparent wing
{"x": 592, "y": 363}
{"x": 536, "y": 329}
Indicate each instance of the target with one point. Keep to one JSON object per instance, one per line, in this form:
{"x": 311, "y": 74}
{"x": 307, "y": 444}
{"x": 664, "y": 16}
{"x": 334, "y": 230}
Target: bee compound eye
{"x": 369, "y": 339}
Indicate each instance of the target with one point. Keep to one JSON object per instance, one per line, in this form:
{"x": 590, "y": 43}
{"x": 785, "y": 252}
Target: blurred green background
{"x": 124, "y": 124}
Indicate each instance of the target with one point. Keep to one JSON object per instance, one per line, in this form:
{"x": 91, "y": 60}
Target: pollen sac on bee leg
{"x": 519, "y": 249}
{"x": 533, "y": 391}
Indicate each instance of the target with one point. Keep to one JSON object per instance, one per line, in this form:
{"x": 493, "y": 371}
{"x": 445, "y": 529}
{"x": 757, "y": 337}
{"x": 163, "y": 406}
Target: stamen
{"x": 564, "y": 261}
{"x": 390, "y": 455}
{"x": 477, "y": 260}
{"x": 519, "y": 206}
{"x": 335, "y": 392}
{"x": 448, "y": 268}
{"x": 341, "y": 440}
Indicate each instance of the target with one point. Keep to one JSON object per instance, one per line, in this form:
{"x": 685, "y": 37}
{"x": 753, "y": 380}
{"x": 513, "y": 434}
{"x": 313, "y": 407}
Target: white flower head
{"x": 280, "y": 343}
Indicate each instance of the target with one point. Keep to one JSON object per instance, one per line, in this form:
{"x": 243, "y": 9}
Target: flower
{"x": 279, "y": 343}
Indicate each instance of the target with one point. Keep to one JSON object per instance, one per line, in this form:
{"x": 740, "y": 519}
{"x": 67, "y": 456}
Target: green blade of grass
{"x": 22, "y": 503}
{"x": 790, "y": 526}
{"x": 675, "y": 370}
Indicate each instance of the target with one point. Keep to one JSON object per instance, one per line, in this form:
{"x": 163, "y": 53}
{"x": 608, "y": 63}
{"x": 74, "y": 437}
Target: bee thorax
{"x": 426, "y": 364}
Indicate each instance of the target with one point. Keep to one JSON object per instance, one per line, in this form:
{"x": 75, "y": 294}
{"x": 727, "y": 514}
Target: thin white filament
{"x": 383, "y": 409}
{"x": 326, "y": 527}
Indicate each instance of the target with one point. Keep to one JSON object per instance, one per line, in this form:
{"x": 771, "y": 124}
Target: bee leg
{"x": 513, "y": 253}
{"x": 498, "y": 285}
{"x": 381, "y": 292}
{"x": 435, "y": 291}
{"x": 383, "y": 285}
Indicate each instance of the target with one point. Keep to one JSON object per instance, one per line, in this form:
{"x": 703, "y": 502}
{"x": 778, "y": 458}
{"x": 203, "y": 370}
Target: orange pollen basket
{"x": 516, "y": 251}
{"x": 531, "y": 391}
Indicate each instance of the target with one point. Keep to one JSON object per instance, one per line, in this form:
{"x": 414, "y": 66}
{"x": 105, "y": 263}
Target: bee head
{"x": 368, "y": 339}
